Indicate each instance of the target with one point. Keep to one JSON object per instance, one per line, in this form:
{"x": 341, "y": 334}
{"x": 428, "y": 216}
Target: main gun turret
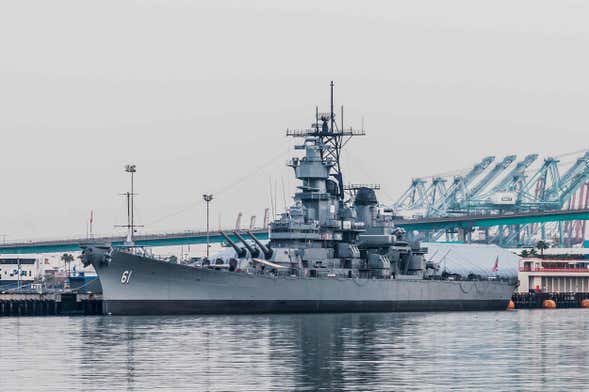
{"x": 255, "y": 252}
{"x": 239, "y": 250}
{"x": 265, "y": 249}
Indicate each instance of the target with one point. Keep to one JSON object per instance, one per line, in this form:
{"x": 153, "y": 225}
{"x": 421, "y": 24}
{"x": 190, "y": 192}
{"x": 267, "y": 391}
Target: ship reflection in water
{"x": 521, "y": 350}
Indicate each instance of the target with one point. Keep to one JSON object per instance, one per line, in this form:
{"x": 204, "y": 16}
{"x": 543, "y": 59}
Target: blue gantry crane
{"x": 499, "y": 191}
{"x": 515, "y": 179}
{"x": 491, "y": 175}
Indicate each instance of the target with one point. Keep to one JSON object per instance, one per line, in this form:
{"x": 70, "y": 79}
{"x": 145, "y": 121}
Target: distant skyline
{"x": 199, "y": 95}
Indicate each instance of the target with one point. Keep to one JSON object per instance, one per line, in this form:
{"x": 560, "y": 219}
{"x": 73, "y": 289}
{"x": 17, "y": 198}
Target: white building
{"x": 554, "y": 274}
{"x": 25, "y": 269}
{"x": 17, "y": 270}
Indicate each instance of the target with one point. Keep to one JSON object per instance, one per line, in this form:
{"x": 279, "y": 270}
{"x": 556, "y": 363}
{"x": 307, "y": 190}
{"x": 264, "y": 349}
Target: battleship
{"x": 335, "y": 249}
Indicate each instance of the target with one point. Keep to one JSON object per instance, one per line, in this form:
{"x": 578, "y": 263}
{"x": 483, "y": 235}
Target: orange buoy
{"x": 549, "y": 304}
{"x": 511, "y": 305}
{"x": 585, "y": 303}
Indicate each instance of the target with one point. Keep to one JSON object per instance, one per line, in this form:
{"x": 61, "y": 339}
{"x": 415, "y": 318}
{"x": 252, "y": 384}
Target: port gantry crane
{"x": 515, "y": 179}
{"x": 458, "y": 191}
{"x": 491, "y": 175}
{"x": 436, "y": 199}
{"x": 502, "y": 191}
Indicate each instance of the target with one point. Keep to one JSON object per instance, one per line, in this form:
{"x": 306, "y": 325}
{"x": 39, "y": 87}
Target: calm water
{"x": 522, "y": 350}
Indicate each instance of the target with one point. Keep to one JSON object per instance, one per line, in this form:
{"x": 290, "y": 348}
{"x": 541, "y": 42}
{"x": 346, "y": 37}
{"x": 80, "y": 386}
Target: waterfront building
{"x": 552, "y": 272}
{"x": 18, "y": 271}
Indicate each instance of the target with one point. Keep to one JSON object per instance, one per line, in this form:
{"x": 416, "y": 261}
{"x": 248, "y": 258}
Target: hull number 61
{"x": 126, "y": 277}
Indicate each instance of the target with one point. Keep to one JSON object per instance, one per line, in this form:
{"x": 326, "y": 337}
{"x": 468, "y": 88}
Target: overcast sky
{"x": 198, "y": 95}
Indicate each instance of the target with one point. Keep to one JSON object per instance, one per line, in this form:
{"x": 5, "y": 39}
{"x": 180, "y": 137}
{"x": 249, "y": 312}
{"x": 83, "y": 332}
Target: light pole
{"x": 207, "y": 199}
{"x": 130, "y": 218}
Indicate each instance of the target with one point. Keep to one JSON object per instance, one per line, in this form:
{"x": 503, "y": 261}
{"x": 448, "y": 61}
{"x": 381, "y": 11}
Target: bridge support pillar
{"x": 500, "y": 234}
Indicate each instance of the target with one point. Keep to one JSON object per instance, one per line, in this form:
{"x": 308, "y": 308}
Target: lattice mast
{"x": 331, "y": 139}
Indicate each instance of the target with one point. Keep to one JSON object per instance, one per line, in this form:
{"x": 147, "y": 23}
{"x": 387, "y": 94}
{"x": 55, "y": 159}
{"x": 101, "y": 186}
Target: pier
{"x": 50, "y": 304}
{"x": 536, "y": 300}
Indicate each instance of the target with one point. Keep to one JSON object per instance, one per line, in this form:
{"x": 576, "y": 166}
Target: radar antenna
{"x": 330, "y": 140}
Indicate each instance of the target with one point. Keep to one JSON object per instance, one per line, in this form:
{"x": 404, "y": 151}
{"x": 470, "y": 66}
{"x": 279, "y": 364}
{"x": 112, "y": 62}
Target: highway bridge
{"x": 147, "y": 240}
{"x": 199, "y": 237}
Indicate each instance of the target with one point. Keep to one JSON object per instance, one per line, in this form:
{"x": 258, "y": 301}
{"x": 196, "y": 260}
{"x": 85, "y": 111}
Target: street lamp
{"x": 207, "y": 198}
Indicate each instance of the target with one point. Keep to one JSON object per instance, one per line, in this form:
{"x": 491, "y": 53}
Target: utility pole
{"x": 208, "y": 198}
{"x": 18, "y": 276}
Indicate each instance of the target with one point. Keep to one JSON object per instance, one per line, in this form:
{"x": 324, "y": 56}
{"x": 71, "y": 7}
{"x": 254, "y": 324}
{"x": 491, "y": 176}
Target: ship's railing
{"x": 355, "y": 187}
{"x": 558, "y": 258}
{"x": 313, "y": 196}
{"x": 539, "y": 269}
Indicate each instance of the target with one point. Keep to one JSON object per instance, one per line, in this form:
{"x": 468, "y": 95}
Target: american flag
{"x": 496, "y": 265}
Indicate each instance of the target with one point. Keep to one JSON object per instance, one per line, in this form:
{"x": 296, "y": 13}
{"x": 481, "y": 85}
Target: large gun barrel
{"x": 265, "y": 249}
{"x": 255, "y": 252}
{"x": 240, "y": 251}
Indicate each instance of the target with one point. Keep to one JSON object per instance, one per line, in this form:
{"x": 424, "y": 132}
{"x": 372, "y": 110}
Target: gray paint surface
{"x": 153, "y": 280}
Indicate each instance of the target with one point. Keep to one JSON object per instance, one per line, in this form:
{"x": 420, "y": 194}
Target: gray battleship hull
{"x": 137, "y": 285}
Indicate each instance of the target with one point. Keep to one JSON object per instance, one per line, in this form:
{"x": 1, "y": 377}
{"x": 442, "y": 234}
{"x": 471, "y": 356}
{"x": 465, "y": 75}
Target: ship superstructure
{"x": 323, "y": 234}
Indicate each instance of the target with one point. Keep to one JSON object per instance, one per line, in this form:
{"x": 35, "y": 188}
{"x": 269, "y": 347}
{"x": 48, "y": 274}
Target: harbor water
{"x": 525, "y": 350}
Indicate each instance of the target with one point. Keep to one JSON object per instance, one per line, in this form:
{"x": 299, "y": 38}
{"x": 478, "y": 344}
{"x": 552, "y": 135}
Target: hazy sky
{"x": 199, "y": 94}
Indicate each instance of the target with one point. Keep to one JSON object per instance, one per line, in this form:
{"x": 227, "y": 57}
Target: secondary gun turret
{"x": 265, "y": 249}
{"x": 255, "y": 252}
{"x": 239, "y": 250}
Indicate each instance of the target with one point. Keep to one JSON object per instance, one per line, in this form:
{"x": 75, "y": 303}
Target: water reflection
{"x": 523, "y": 350}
